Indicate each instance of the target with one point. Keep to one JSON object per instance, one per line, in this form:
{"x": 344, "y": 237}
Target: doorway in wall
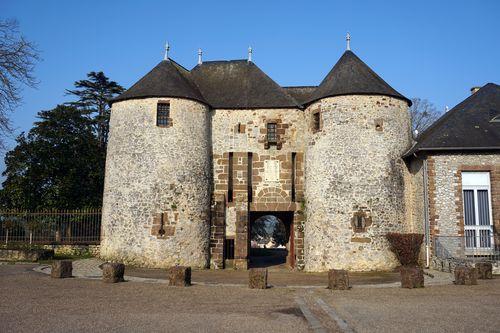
{"x": 271, "y": 240}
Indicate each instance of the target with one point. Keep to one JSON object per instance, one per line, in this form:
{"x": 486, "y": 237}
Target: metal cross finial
{"x": 167, "y": 48}
{"x": 200, "y": 53}
{"x": 348, "y": 40}
{"x": 250, "y": 51}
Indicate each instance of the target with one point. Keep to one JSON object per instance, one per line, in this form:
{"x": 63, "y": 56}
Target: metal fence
{"x": 81, "y": 226}
{"x": 467, "y": 248}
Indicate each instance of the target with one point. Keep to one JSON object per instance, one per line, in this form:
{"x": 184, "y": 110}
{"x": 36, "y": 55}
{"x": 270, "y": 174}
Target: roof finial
{"x": 167, "y": 48}
{"x": 348, "y": 40}
{"x": 250, "y": 51}
{"x": 200, "y": 53}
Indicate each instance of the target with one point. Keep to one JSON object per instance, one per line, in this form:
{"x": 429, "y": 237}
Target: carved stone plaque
{"x": 272, "y": 170}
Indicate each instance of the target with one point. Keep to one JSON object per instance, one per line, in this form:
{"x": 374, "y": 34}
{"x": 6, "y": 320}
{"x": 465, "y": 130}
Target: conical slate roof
{"x": 473, "y": 124}
{"x": 167, "y": 79}
{"x": 351, "y": 76}
{"x": 239, "y": 84}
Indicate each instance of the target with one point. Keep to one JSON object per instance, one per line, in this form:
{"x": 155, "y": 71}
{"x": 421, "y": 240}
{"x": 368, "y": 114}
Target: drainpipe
{"x": 426, "y": 215}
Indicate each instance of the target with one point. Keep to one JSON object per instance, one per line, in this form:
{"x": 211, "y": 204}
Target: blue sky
{"x": 430, "y": 49}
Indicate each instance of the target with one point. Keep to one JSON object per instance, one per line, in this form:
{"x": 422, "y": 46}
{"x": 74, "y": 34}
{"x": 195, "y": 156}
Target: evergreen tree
{"x": 94, "y": 95}
{"x": 59, "y": 164}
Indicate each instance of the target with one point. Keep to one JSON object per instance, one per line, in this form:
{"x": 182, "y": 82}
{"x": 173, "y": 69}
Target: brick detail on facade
{"x": 164, "y": 224}
{"x": 298, "y": 241}
{"x": 240, "y": 193}
{"x": 217, "y": 231}
{"x": 445, "y": 194}
{"x": 221, "y": 171}
{"x": 267, "y": 196}
{"x": 280, "y": 133}
{"x": 316, "y": 125}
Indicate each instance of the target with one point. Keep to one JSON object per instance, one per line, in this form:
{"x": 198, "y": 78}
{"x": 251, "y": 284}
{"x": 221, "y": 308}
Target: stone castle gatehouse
{"x": 196, "y": 156}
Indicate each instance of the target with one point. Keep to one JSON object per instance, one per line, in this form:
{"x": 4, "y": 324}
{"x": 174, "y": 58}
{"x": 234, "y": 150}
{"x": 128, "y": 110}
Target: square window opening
{"x": 272, "y": 137}
{"x": 162, "y": 114}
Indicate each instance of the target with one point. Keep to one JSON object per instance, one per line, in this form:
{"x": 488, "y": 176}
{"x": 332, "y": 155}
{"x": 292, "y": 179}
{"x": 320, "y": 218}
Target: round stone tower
{"x": 360, "y": 128}
{"x": 158, "y": 170}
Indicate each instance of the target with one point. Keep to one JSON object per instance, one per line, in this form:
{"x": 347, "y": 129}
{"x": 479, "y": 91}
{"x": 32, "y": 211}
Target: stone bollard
{"x": 62, "y": 269}
{"x": 484, "y": 270}
{"x": 179, "y": 276}
{"x": 412, "y": 277}
{"x": 257, "y": 278}
{"x": 112, "y": 272}
{"x": 338, "y": 279}
{"x": 465, "y": 275}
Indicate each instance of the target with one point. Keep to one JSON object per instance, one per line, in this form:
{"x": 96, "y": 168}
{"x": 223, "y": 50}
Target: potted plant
{"x": 406, "y": 247}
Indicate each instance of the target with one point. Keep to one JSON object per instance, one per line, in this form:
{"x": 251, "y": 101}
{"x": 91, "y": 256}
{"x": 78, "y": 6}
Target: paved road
{"x": 33, "y": 302}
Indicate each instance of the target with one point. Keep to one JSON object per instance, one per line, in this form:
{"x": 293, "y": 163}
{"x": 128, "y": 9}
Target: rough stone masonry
{"x": 196, "y": 156}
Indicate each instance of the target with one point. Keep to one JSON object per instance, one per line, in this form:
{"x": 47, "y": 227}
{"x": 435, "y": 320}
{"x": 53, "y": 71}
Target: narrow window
{"x": 294, "y": 157}
{"x": 249, "y": 177}
{"x": 229, "y": 248}
{"x": 478, "y": 226}
{"x": 316, "y": 121}
{"x": 271, "y": 133}
{"x": 359, "y": 222}
{"x": 162, "y": 114}
{"x": 230, "y": 179}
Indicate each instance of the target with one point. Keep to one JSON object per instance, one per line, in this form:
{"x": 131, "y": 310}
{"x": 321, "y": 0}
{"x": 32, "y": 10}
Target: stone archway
{"x": 271, "y": 239}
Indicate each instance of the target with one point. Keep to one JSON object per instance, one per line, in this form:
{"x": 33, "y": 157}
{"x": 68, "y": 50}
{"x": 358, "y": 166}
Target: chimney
{"x": 474, "y": 90}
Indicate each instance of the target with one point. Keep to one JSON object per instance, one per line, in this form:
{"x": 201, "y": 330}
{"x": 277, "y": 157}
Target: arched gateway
{"x": 271, "y": 239}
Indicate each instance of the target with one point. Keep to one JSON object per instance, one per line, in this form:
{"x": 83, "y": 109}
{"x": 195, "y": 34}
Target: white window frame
{"x": 476, "y": 181}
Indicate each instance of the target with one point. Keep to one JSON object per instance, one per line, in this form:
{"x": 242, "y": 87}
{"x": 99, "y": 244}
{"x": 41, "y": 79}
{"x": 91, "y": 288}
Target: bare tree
{"x": 423, "y": 113}
{"x": 17, "y": 63}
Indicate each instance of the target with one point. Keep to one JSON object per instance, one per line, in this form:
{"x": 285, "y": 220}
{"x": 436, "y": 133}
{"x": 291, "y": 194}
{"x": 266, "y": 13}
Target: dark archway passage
{"x": 271, "y": 239}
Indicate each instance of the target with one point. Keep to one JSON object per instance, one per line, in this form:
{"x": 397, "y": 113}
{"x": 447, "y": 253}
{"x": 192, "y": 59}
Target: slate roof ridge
{"x": 187, "y": 75}
{"x": 176, "y": 64}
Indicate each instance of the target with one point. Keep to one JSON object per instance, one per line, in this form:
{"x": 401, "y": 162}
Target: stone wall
{"x": 414, "y": 192}
{"x": 157, "y": 176}
{"x": 244, "y": 131}
{"x": 445, "y": 194}
{"x": 355, "y": 182}
{"x": 75, "y": 250}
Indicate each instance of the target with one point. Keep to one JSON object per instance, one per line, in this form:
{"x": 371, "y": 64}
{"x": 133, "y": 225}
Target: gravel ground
{"x": 33, "y": 302}
{"x": 447, "y": 308}
{"x": 278, "y": 277}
